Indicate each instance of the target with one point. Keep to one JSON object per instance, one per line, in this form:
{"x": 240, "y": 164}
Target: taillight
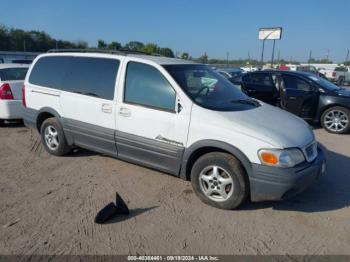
{"x": 5, "y": 92}
{"x": 24, "y": 96}
{"x": 334, "y": 73}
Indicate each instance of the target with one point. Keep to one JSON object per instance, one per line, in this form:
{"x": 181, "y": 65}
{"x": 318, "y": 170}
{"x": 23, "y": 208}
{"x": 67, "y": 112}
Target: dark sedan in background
{"x": 234, "y": 75}
{"x": 303, "y": 94}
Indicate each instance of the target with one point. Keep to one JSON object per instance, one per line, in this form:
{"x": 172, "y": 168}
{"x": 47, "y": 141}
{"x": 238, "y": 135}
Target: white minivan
{"x": 175, "y": 116}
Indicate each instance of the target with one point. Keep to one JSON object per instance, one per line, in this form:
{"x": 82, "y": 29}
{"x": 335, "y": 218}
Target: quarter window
{"x": 83, "y": 75}
{"x": 145, "y": 85}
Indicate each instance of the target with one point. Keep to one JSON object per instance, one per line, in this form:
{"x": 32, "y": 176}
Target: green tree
{"x": 101, "y": 44}
{"x": 151, "y": 49}
{"x": 166, "y": 52}
{"x": 115, "y": 46}
{"x": 134, "y": 46}
{"x": 185, "y": 56}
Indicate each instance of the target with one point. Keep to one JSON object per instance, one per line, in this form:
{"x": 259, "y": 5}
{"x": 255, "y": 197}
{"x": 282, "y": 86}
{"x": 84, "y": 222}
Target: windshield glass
{"x": 324, "y": 83}
{"x": 209, "y": 89}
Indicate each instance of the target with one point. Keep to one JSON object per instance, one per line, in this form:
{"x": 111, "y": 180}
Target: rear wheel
{"x": 53, "y": 137}
{"x": 336, "y": 120}
{"x": 219, "y": 180}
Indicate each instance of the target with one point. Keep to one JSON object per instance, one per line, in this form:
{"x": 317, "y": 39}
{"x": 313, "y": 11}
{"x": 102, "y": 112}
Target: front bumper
{"x": 11, "y": 109}
{"x": 272, "y": 183}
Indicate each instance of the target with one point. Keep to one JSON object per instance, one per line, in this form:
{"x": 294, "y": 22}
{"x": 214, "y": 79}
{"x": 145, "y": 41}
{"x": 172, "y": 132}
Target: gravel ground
{"x": 48, "y": 204}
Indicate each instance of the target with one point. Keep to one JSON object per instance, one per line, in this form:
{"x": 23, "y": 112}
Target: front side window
{"x": 145, "y": 85}
{"x": 208, "y": 88}
{"x": 13, "y": 74}
{"x": 291, "y": 82}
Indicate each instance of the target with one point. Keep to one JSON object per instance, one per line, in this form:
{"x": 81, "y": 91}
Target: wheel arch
{"x": 202, "y": 147}
{"x": 43, "y": 114}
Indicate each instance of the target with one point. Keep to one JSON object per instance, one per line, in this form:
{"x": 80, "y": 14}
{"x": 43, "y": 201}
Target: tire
{"x": 336, "y": 120}
{"x": 2, "y": 122}
{"x": 340, "y": 81}
{"x": 226, "y": 195}
{"x": 53, "y": 138}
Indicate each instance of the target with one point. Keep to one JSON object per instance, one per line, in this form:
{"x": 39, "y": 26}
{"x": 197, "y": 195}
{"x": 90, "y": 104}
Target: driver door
{"x": 298, "y": 96}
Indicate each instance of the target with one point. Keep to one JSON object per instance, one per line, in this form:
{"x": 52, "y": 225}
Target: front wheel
{"x": 53, "y": 138}
{"x": 336, "y": 120}
{"x": 219, "y": 180}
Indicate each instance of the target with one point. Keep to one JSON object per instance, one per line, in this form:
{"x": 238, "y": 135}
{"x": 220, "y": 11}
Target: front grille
{"x": 310, "y": 151}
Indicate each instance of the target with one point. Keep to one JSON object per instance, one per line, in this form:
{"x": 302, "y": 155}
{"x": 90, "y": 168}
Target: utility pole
{"x": 347, "y": 57}
{"x": 310, "y": 56}
{"x": 278, "y": 57}
{"x": 328, "y": 54}
{"x": 56, "y": 44}
{"x": 24, "y": 45}
{"x": 227, "y": 57}
{"x": 273, "y": 52}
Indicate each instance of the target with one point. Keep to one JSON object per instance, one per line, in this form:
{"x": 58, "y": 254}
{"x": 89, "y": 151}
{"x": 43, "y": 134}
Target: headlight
{"x": 281, "y": 157}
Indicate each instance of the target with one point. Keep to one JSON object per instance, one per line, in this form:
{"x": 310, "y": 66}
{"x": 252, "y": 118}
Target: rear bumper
{"x": 11, "y": 109}
{"x": 30, "y": 117}
{"x": 271, "y": 183}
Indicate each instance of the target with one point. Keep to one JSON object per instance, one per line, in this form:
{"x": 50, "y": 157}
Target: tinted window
{"x": 50, "y": 71}
{"x": 92, "y": 76}
{"x": 291, "y": 82}
{"x": 83, "y": 75}
{"x": 12, "y": 74}
{"x": 260, "y": 79}
{"x": 145, "y": 85}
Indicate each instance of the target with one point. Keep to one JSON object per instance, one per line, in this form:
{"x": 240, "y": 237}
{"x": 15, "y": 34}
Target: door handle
{"x": 292, "y": 97}
{"x": 123, "y": 111}
{"x": 106, "y": 108}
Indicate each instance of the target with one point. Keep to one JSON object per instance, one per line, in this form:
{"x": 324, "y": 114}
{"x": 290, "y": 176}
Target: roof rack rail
{"x": 95, "y": 50}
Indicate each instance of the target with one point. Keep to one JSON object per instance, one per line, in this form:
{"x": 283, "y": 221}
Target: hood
{"x": 270, "y": 124}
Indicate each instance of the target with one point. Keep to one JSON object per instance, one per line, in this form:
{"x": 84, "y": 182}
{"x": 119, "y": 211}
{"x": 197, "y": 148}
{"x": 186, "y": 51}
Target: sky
{"x": 194, "y": 26}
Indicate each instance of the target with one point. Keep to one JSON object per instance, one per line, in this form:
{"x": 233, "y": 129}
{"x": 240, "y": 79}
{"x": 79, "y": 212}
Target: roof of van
{"x": 12, "y": 65}
{"x": 161, "y": 60}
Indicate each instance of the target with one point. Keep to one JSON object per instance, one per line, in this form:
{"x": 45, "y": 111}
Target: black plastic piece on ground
{"x": 111, "y": 210}
{"x": 106, "y": 213}
{"x": 121, "y": 206}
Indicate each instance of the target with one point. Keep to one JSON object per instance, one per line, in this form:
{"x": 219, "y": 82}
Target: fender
{"x": 216, "y": 144}
{"x": 67, "y": 132}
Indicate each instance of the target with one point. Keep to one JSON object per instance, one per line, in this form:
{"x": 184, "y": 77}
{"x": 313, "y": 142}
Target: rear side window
{"x": 13, "y": 74}
{"x": 92, "y": 76}
{"x": 50, "y": 71}
{"x": 259, "y": 79}
{"x": 145, "y": 85}
{"x": 83, "y": 75}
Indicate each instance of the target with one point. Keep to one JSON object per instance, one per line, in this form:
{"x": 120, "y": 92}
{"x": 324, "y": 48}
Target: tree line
{"x": 12, "y": 39}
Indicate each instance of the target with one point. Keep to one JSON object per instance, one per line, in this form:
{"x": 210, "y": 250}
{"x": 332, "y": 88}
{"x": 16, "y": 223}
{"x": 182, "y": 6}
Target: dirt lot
{"x": 52, "y": 201}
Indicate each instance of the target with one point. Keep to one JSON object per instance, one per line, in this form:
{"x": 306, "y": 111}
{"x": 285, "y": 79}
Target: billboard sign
{"x": 274, "y": 33}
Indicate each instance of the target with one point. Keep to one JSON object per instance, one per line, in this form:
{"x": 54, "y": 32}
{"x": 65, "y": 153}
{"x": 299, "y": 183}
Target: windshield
{"x": 209, "y": 89}
{"x": 324, "y": 83}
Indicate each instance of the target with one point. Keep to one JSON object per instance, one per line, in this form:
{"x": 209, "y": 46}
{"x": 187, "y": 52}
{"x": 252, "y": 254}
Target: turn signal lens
{"x": 269, "y": 158}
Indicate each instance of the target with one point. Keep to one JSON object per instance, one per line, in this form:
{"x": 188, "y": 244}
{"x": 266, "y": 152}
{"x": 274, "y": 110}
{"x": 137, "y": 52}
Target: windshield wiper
{"x": 246, "y": 102}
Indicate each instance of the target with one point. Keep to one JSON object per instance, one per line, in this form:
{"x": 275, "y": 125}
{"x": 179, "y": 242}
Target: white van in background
{"x": 11, "y": 83}
{"x": 172, "y": 115}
